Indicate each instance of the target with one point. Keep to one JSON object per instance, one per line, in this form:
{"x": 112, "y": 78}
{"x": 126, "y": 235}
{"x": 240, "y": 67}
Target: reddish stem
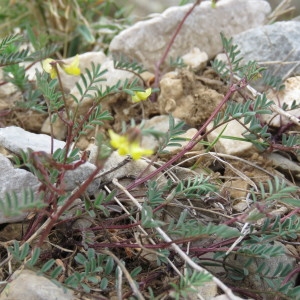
{"x": 170, "y": 44}
{"x": 68, "y": 203}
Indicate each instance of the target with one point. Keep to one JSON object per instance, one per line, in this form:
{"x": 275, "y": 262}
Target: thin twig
{"x": 119, "y": 283}
{"x": 126, "y": 273}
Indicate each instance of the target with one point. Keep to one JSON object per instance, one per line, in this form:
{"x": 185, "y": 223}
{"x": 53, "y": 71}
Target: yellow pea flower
{"x": 127, "y": 147}
{"x": 141, "y": 96}
{"x": 71, "y": 68}
{"x": 48, "y": 67}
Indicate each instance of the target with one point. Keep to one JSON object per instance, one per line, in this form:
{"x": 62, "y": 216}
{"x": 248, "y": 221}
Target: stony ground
{"x": 190, "y": 94}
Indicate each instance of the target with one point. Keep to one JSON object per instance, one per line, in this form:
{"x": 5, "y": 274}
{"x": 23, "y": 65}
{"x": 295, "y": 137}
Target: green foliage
{"x": 148, "y": 218}
{"x": 155, "y": 192}
{"x": 249, "y": 71}
{"x": 277, "y": 190}
{"x": 171, "y": 138}
{"x": 292, "y": 141}
{"x": 188, "y": 284}
{"x": 195, "y": 187}
{"x": 73, "y": 25}
{"x": 94, "y": 264}
{"x": 19, "y": 253}
{"x": 131, "y": 66}
{"x": 272, "y": 81}
{"x": 97, "y": 117}
{"x": 88, "y": 82}
{"x": 192, "y": 228}
{"x": 177, "y": 63}
{"x": 14, "y": 204}
{"x": 232, "y": 53}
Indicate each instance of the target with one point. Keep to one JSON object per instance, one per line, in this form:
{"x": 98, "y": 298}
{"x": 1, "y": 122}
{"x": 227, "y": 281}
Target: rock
{"x": 73, "y": 178}
{"x": 111, "y": 77}
{"x": 27, "y": 285}
{"x": 288, "y": 95}
{"x": 140, "y": 9}
{"x": 187, "y": 98}
{"x": 146, "y": 41}
{"x": 59, "y": 129}
{"x": 278, "y": 42}
{"x": 132, "y": 169}
{"x": 157, "y": 123}
{"x": 15, "y": 180}
{"x": 207, "y": 291}
{"x": 284, "y": 164}
{"x": 228, "y": 146}
{"x": 16, "y": 139}
{"x": 195, "y": 59}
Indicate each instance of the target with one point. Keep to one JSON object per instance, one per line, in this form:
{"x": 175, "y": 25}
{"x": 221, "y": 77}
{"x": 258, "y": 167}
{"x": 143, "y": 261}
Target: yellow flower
{"x": 71, "y": 68}
{"x": 141, "y": 96}
{"x": 127, "y": 147}
{"x": 48, "y": 67}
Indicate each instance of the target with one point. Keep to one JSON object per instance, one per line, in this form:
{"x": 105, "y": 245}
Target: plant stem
{"x": 76, "y": 194}
{"x": 170, "y": 44}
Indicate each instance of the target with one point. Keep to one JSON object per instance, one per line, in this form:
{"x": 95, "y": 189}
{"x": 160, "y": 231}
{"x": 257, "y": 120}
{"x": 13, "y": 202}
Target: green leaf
{"x": 86, "y": 33}
{"x": 47, "y": 266}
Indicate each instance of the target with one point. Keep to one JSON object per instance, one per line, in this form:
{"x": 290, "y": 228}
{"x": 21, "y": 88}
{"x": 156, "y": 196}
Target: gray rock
{"x": 276, "y": 43}
{"x": 132, "y": 169}
{"x": 74, "y": 178}
{"x": 16, "y": 139}
{"x": 26, "y": 285}
{"x": 158, "y": 123}
{"x": 147, "y": 40}
{"x": 14, "y": 180}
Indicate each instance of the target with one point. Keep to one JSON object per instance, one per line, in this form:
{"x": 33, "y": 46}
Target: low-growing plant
{"x": 123, "y": 237}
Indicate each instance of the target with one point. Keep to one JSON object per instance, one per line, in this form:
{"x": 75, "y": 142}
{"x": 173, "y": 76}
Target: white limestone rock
{"x": 146, "y": 41}
{"x": 15, "y": 139}
{"x": 229, "y": 146}
{"x": 195, "y": 59}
